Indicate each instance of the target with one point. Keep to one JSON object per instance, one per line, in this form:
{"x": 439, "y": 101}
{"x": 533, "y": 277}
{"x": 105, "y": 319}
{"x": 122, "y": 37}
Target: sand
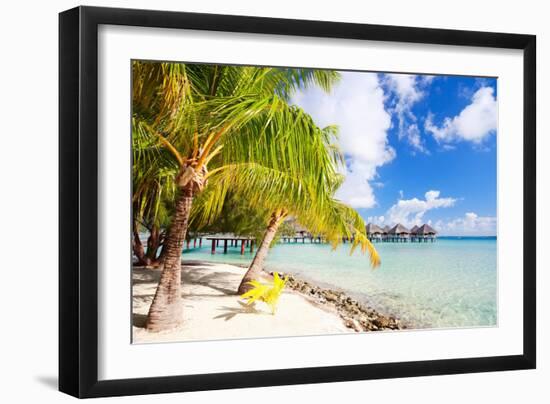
{"x": 212, "y": 310}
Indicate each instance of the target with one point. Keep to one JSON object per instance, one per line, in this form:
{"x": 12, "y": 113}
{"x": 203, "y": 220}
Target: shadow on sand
{"x": 138, "y": 320}
{"x": 194, "y": 273}
{"x": 191, "y": 273}
{"x": 231, "y": 312}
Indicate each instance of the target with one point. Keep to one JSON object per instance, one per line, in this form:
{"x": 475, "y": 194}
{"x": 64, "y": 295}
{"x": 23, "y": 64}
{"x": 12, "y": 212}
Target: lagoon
{"x": 449, "y": 283}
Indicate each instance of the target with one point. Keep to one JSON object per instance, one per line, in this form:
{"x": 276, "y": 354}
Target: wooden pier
{"x": 231, "y": 241}
{"x": 302, "y": 239}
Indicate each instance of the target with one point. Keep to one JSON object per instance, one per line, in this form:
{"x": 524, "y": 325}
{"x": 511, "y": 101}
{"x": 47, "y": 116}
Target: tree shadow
{"x": 198, "y": 273}
{"x": 139, "y": 320}
{"x": 231, "y": 312}
{"x": 193, "y": 273}
{"x": 219, "y": 281}
{"x": 144, "y": 275}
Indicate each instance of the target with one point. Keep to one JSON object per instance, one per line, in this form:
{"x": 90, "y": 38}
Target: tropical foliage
{"x": 203, "y": 133}
{"x": 306, "y": 193}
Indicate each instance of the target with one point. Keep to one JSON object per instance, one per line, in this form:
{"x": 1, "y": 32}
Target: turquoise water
{"x": 449, "y": 283}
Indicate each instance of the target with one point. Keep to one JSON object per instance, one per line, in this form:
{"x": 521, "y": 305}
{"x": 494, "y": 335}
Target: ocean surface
{"x": 449, "y": 283}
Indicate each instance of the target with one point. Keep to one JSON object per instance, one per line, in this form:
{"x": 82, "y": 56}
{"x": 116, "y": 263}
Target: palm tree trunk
{"x": 153, "y": 244}
{"x": 165, "y": 311}
{"x": 137, "y": 246}
{"x": 257, "y": 264}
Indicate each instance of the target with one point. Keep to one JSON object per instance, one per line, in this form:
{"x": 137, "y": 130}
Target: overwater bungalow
{"x": 385, "y": 233}
{"x": 399, "y": 233}
{"x": 426, "y": 233}
{"x": 374, "y": 232}
{"x": 301, "y": 231}
{"x": 301, "y": 234}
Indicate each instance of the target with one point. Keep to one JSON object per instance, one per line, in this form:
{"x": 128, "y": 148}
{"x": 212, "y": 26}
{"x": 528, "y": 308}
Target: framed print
{"x": 251, "y": 201}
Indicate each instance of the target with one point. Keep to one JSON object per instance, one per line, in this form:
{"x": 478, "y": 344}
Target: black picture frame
{"x": 78, "y": 201}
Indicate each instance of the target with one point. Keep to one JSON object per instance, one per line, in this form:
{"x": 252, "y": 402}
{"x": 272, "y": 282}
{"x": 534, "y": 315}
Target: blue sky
{"x": 419, "y": 149}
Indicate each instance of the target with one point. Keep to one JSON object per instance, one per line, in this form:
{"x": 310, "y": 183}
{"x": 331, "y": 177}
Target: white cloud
{"x": 426, "y": 79}
{"x": 407, "y": 90}
{"x": 474, "y": 123}
{"x": 447, "y": 147}
{"x": 413, "y": 135}
{"x": 410, "y": 212}
{"x": 356, "y": 105}
{"x": 379, "y": 220}
{"x": 469, "y": 225}
{"x": 407, "y": 93}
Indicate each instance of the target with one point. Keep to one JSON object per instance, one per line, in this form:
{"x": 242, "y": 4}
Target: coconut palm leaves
{"x": 188, "y": 119}
{"x": 298, "y": 196}
{"x": 186, "y": 116}
{"x": 302, "y": 186}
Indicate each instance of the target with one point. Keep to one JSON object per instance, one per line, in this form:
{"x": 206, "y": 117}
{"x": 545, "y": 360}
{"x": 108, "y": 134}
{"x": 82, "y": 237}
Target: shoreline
{"x": 214, "y": 311}
{"x": 355, "y": 315}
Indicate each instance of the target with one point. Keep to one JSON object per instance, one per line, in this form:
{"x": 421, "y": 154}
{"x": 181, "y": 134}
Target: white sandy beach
{"x": 212, "y": 310}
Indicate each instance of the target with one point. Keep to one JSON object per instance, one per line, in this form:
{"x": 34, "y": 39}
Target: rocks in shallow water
{"x": 355, "y": 316}
{"x": 330, "y": 296}
{"x": 382, "y": 322}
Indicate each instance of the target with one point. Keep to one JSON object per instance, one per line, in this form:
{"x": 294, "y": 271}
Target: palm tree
{"x": 338, "y": 221}
{"x": 306, "y": 195}
{"x": 192, "y": 117}
{"x": 153, "y": 196}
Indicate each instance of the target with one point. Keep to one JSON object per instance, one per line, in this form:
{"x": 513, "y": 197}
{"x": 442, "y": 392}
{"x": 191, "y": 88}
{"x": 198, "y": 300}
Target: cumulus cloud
{"x": 469, "y": 225}
{"x": 474, "y": 123}
{"x": 379, "y": 220}
{"x": 407, "y": 90}
{"x": 410, "y": 212}
{"x": 356, "y": 105}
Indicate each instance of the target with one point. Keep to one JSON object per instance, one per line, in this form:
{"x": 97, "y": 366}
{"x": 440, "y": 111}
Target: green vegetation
{"x": 210, "y": 135}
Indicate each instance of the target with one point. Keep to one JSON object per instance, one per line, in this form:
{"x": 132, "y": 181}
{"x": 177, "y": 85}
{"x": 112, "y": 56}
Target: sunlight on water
{"x": 449, "y": 283}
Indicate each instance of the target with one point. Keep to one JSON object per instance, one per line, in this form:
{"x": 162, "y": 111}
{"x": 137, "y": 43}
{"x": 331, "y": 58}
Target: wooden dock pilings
{"x": 302, "y": 239}
{"x": 231, "y": 241}
{"x": 382, "y": 238}
{"x": 225, "y": 241}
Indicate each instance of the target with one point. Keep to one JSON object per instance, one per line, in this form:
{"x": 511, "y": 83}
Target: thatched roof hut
{"x": 386, "y": 229}
{"x": 373, "y": 229}
{"x": 399, "y": 229}
{"x": 414, "y": 230}
{"x": 426, "y": 230}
